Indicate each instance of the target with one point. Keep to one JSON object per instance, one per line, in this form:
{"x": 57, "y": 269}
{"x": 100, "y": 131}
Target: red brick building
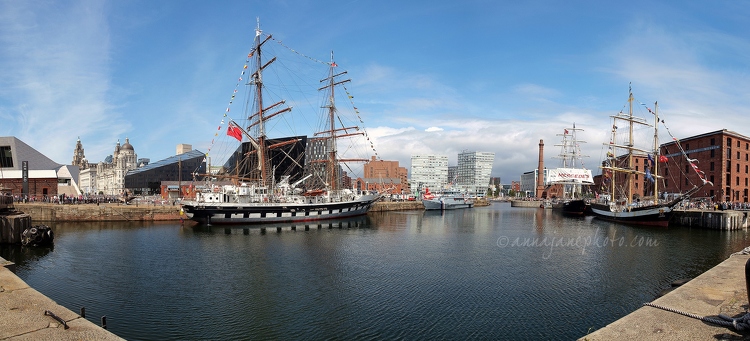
{"x": 381, "y": 175}
{"x": 641, "y": 186}
{"x": 722, "y": 157}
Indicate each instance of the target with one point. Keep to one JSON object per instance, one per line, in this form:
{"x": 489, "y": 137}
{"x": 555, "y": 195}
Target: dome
{"x": 127, "y": 145}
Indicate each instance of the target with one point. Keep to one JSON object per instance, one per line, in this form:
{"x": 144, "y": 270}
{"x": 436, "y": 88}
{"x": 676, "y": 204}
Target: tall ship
{"x": 573, "y": 175}
{"x": 283, "y": 179}
{"x": 621, "y": 174}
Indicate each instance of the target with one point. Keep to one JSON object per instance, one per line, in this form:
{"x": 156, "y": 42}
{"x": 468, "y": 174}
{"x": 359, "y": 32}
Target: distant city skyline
{"x": 430, "y": 78}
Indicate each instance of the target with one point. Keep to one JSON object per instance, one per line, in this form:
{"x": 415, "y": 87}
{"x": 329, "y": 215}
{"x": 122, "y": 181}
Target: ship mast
{"x": 332, "y": 178}
{"x": 629, "y": 175}
{"x": 257, "y": 81}
{"x": 656, "y": 152}
{"x": 261, "y": 115}
{"x": 333, "y": 132}
{"x": 629, "y": 146}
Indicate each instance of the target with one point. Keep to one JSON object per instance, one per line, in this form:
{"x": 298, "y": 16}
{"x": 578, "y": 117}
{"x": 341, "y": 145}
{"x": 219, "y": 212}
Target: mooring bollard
{"x": 83, "y": 312}
{"x": 104, "y": 321}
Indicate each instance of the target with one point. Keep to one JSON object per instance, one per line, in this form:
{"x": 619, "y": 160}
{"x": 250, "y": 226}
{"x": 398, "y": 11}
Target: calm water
{"x": 489, "y": 272}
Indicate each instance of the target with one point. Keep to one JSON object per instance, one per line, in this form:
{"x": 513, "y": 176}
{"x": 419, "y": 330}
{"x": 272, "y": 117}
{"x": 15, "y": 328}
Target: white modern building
{"x": 474, "y": 171}
{"x": 528, "y": 182}
{"x": 429, "y": 171}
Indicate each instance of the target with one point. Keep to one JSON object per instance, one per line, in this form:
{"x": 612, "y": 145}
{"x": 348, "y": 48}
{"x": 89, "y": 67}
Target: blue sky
{"x": 429, "y": 77}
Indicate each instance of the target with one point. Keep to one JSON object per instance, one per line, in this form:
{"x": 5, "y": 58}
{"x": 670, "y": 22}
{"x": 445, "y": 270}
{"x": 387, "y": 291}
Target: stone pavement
{"x": 720, "y": 290}
{"x": 22, "y": 314}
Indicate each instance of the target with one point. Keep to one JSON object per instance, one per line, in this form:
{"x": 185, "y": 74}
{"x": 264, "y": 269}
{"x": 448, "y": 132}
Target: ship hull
{"x": 576, "y": 208}
{"x": 649, "y": 215}
{"x": 260, "y": 213}
{"x": 447, "y": 204}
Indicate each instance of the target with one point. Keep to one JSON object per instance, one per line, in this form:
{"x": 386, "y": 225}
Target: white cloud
{"x": 431, "y": 129}
{"x": 55, "y": 61}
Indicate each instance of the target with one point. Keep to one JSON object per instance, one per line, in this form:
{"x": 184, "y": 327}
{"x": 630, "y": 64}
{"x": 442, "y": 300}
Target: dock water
{"x": 26, "y": 314}
{"x": 720, "y": 290}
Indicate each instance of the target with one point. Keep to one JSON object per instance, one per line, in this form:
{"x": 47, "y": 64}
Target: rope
{"x": 739, "y": 324}
{"x": 299, "y": 53}
{"x": 362, "y": 122}
{"x": 745, "y": 251}
{"x": 701, "y": 174}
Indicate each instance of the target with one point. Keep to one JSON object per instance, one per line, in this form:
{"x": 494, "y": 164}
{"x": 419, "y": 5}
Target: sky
{"x": 429, "y": 77}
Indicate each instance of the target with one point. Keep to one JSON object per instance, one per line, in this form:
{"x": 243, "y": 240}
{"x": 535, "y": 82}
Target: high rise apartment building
{"x": 429, "y": 171}
{"x": 474, "y": 171}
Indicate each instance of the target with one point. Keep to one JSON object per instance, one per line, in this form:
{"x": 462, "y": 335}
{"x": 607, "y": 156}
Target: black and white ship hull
{"x": 256, "y": 213}
{"x": 653, "y": 215}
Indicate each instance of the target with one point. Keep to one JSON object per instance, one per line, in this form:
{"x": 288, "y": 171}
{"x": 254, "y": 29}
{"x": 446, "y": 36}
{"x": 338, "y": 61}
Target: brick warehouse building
{"x": 641, "y": 186}
{"x": 381, "y": 175}
{"x": 722, "y": 155}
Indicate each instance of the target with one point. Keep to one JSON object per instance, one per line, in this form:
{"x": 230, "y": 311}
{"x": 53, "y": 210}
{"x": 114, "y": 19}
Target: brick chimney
{"x": 540, "y": 171}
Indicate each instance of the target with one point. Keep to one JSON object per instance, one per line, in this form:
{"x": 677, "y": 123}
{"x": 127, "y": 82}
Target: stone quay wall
{"x": 41, "y": 212}
{"x": 12, "y": 225}
{"x": 715, "y": 220}
{"x": 382, "y": 206}
{"x": 93, "y": 212}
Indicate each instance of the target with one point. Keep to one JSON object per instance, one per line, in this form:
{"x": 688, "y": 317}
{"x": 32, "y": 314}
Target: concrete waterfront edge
{"x": 22, "y": 314}
{"x": 720, "y": 290}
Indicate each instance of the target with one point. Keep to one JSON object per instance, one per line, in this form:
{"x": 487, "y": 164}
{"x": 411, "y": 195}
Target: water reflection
{"x": 488, "y": 272}
{"x": 22, "y": 255}
{"x": 346, "y": 223}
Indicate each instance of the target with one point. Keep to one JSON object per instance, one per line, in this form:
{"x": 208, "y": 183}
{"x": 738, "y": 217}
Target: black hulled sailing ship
{"x": 620, "y": 172}
{"x": 280, "y": 180}
{"x": 573, "y": 176}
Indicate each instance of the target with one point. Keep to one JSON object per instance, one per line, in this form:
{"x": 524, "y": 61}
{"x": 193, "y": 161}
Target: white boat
{"x": 620, "y": 172}
{"x": 291, "y": 179}
{"x": 446, "y": 200}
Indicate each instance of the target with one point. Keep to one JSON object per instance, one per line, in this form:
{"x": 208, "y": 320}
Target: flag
{"x": 334, "y": 64}
{"x": 662, "y": 158}
{"x": 234, "y": 131}
{"x": 566, "y": 131}
{"x": 648, "y": 175}
{"x": 650, "y": 160}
